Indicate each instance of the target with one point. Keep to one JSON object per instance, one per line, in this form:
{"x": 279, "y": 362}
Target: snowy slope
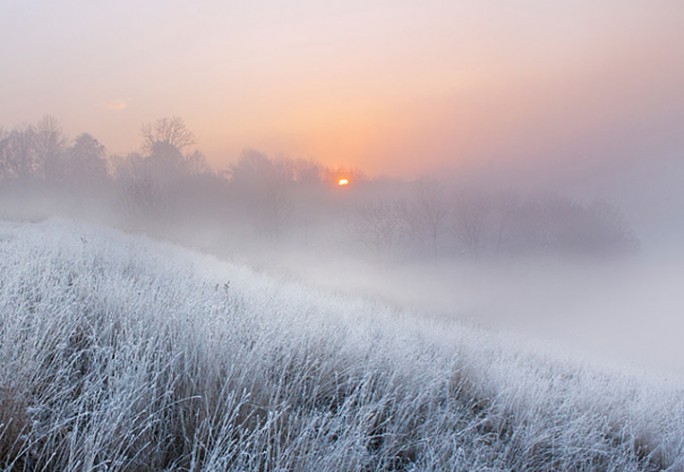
{"x": 121, "y": 353}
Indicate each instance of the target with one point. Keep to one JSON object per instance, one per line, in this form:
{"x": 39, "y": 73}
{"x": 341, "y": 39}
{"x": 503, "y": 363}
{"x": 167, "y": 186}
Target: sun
{"x": 342, "y": 182}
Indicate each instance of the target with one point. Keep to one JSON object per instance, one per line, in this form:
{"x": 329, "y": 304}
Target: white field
{"x": 122, "y": 353}
{"x": 622, "y": 313}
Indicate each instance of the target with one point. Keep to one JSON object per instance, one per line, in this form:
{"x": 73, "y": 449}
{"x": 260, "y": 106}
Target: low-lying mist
{"x": 566, "y": 272}
{"x": 123, "y": 353}
{"x": 623, "y": 314}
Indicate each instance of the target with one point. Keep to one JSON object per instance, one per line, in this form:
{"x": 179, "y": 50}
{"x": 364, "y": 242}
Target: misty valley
{"x": 278, "y": 314}
{"x": 342, "y": 236}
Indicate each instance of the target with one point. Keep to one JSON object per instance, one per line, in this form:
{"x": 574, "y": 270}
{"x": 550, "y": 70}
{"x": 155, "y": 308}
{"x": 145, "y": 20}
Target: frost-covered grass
{"x": 119, "y": 353}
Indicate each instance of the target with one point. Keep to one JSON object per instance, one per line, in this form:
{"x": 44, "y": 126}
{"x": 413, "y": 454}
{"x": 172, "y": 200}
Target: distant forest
{"x": 168, "y": 189}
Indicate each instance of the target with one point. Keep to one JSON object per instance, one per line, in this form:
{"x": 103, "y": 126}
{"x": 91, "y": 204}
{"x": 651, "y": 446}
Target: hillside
{"x": 121, "y": 353}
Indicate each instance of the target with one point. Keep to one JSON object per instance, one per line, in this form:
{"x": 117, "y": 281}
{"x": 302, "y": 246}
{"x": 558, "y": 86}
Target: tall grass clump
{"x": 119, "y": 353}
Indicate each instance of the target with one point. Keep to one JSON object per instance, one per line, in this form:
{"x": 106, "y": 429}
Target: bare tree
{"x": 306, "y": 172}
{"x": 19, "y": 153}
{"x": 427, "y": 212}
{"x": 263, "y": 185}
{"x": 378, "y": 225}
{"x": 33, "y": 151}
{"x": 85, "y": 161}
{"x": 504, "y": 206}
{"x": 4, "y": 154}
{"x": 197, "y": 164}
{"x": 470, "y": 215}
{"x": 171, "y": 131}
{"x": 50, "y": 143}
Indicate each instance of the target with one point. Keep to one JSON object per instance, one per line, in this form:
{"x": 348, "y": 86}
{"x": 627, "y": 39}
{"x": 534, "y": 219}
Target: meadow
{"x": 119, "y": 352}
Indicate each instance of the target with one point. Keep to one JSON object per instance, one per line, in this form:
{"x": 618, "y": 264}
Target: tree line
{"x": 169, "y": 189}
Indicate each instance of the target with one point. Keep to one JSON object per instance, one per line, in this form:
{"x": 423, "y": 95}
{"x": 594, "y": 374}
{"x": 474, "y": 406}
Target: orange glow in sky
{"x": 392, "y": 87}
{"x": 343, "y": 182}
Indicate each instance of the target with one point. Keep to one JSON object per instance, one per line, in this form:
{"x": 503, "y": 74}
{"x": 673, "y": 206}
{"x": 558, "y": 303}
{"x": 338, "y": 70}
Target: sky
{"x": 558, "y": 91}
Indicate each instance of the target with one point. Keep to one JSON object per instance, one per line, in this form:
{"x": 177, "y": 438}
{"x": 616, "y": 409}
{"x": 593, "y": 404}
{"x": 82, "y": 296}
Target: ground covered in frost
{"x": 121, "y": 353}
